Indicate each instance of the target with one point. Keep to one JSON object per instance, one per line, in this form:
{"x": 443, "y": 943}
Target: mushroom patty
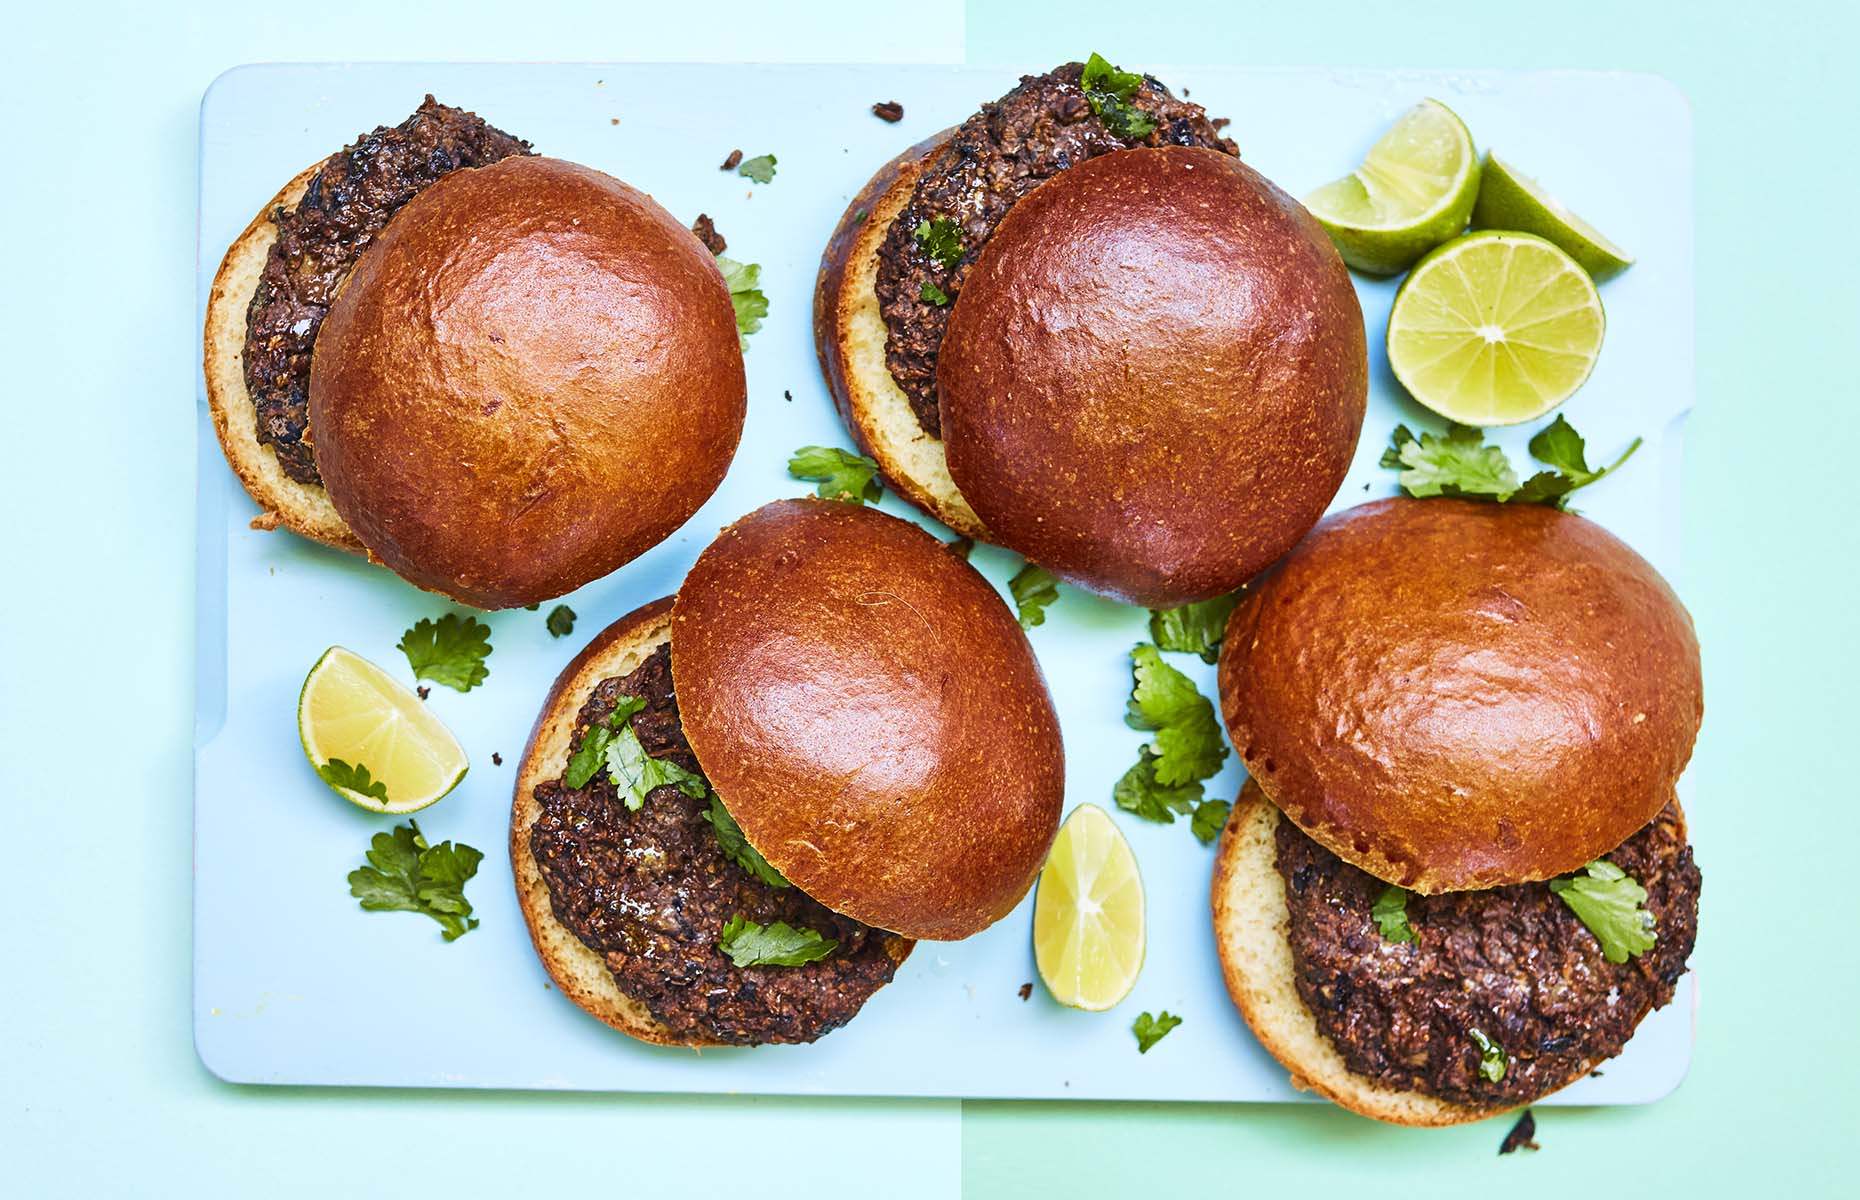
{"x": 651, "y": 890}
{"x": 1039, "y": 129}
{"x": 1514, "y": 963}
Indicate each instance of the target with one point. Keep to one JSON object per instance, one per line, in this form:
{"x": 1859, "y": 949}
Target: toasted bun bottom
{"x": 579, "y": 972}
{"x": 850, "y": 334}
{"x": 1252, "y": 934}
{"x": 302, "y": 508}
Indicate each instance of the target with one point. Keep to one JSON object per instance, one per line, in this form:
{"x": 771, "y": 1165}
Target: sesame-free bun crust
{"x": 849, "y": 337}
{"x": 871, "y": 714}
{"x": 1451, "y": 694}
{"x": 302, "y": 508}
{"x": 1154, "y": 377}
{"x": 531, "y": 377}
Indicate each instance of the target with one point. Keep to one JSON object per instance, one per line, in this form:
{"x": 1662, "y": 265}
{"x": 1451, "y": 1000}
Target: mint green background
{"x": 99, "y": 1090}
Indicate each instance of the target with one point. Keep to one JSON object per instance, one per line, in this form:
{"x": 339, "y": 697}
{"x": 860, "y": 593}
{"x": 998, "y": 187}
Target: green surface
{"x": 100, "y": 1093}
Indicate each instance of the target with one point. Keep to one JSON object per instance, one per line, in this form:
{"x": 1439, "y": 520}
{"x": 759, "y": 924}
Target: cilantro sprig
{"x": 450, "y": 651}
{"x": 591, "y": 755}
{"x": 1461, "y": 463}
{"x": 1193, "y": 628}
{"x": 636, "y": 773}
{"x": 561, "y": 621}
{"x": 841, "y": 474}
{"x": 343, "y": 777}
{"x": 1033, "y": 587}
{"x": 760, "y": 169}
{"x": 1150, "y": 1030}
{"x": 745, "y": 283}
{"x": 778, "y": 945}
{"x": 1167, "y": 779}
{"x": 406, "y": 874}
{"x": 1390, "y": 913}
{"x": 737, "y": 847}
{"x": 941, "y": 239}
{"x": 1109, "y": 91}
{"x": 1613, "y": 906}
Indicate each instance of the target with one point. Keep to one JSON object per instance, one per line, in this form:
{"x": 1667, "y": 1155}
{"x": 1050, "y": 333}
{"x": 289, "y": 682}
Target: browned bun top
{"x": 531, "y": 377}
{"x": 871, "y": 714}
{"x": 1452, "y": 694}
{"x": 1154, "y": 378}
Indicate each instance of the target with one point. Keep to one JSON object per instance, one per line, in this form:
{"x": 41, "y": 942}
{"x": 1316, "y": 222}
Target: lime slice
{"x": 355, "y": 713}
{"x": 1495, "y": 328}
{"x": 1414, "y": 191}
{"x": 1509, "y": 199}
{"x": 1088, "y": 915}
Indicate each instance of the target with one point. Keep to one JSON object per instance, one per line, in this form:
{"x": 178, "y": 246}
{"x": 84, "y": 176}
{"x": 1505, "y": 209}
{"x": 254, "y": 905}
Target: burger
{"x": 740, "y": 807}
{"x": 1079, "y": 326}
{"x": 498, "y": 374}
{"x": 1458, "y": 877}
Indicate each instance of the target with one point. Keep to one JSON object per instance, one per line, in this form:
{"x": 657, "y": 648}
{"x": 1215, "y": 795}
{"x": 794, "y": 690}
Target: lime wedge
{"x": 1495, "y": 328}
{"x": 366, "y": 734}
{"x": 1509, "y": 199}
{"x": 1088, "y": 916}
{"x": 1414, "y": 191}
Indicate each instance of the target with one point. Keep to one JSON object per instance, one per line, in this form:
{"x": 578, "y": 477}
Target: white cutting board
{"x": 293, "y": 983}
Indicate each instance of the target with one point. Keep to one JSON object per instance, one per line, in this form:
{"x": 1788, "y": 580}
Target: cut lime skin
{"x": 1511, "y": 200}
{"x": 1414, "y": 190}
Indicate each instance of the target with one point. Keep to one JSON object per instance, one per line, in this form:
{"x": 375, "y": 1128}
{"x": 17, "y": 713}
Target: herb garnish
{"x": 737, "y": 847}
{"x": 340, "y": 775}
{"x": 1461, "y": 463}
{"x": 744, "y": 281}
{"x": 1390, "y": 913}
{"x": 761, "y": 168}
{"x": 1193, "y": 628}
{"x": 1150, "y": 1030}
{"x": 1492, "y": 1057}
{"x": 941, "y": 239}
{"x": 588, "y": 757}
{"x": 1034, "y": 587}
{"x": 451, "y": 651}
{"x": 841, "y": 474}
{"x": 930, "y": 293}
{"x": 1187, "y": 749}
{"x": 560, "y": 621}
{"x": 408, "y": 875}
{"x": 1109, "y": 90}
{"x": 779, "y": 945}
{"x": 636, "y": 773}
{"x": 1613, "y": 906}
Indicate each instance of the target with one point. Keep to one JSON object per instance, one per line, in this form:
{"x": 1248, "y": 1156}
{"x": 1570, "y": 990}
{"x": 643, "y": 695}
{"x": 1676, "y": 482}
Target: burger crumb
{"x": 730, "y": 163}
{"x": 424, "y": 691}
{"x": 1219, "y": 123}
{"x": 1026, "y": 989}
{"x": 706, "y": 231}
{"x": 1523, "y": 1135}
{"x": 787, "y": 395}
{"x": 497, "y": 760}
{"x": 265, "y": 522}
{"x": 890, "y": 111}
{"x": 613, "y": 120}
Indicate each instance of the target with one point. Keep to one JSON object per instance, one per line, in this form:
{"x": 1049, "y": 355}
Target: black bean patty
{"x": 348, "y": 201}
{"x": 1513, "y": 962}
{"x": 993, "y": 159}
{"x": 651, "y": 890}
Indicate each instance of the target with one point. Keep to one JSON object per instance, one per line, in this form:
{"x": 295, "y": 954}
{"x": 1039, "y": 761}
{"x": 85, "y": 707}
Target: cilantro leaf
{"x": 779, "y": 945}
{"x": 1150, "y": 1030}
{"x": 1390, "y": 913}
{"x": 941, "y": 239}
{"x": 342, "y": 776}
{"x": 1560, "y": 447}
{"x": 1188, "y": 741}
{"x": 1193, "y": 628}
{"x": 637, "y": 773}
{"x": 1209, "y": 819}
{"x": 930, "y": 293}
{"x": 451, "y": 651}
{"x": 730, "y": 837}
{"x": 761, "y": 168}
{"x": 841, "y": 474}
{"x": 1034, "y": 588}
{"x": 1458, "y": 463}
{"x": 1109, "y": 91}
{"x": 586, "y": 762}
{"x": 1138, "y": 792}
{"x": 1613, "y": 906}
{"x": 405, "y": 874}
{"x": 1492, "y": 1057}
{"x": 744, "y": 281}
{"x": 560, "y": 621}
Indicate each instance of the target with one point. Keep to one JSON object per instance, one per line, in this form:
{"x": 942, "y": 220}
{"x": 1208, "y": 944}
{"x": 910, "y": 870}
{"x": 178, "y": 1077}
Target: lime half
{"x": 1088, "y": 916}
{"x": 1509, "y": 199}
{"x": 1495, "y": 328}
{"x": 1414, "y": 191}
{"x": 371, "y": 739}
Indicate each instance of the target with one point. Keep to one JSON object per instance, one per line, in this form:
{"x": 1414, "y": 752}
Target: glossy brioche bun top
{"x": 531, "y": 377}
{"x": 1154, "y": 376}
{"x": 871, "y": 714}
{"x": 1455, "y": 695}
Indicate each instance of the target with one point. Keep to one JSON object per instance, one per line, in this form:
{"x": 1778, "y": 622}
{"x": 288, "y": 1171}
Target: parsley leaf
{"x": 405, "y": 874}
{"x": 560, "y": 621}
{"x": 841, "y": 474}
{"x": 1138, "y": 792}
{"x": 1460, "y": 463}
{"x": 761, "y": 168}
{"x": 1150, "y": 1030}
{"x": 930, "y": 293}
{"x": 342, "y": 776}
{"x": 779, "y": 945}
{"x": 1561, "y": 447}
{"x": 588, "y": 757}
{"x": 730, "y": 837}
{"x": 1613, "y": 906}
{"x": 1193, "y": 628}
{"x": 451, "y": 652}
{"x": 1034, "y": 588}
{"x": 1390, "y": 913}
{"x": 1109, "y": 90}
{"x": 1209, "y": 819}
{"x": 637, "y": 773}
{"x": 941, "y": 239}
{"x": 1492, "y": 1057}
{"x": 744, "y": 281}
{"x": 1188, "y": 737}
